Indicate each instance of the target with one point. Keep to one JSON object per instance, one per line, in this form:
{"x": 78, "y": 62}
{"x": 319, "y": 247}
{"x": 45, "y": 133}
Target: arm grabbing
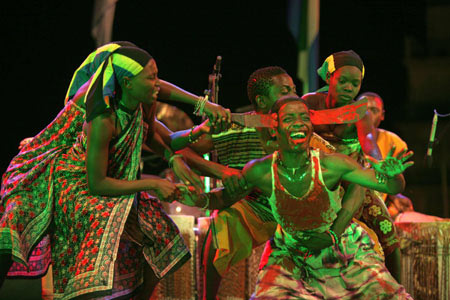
{"x": 216, "y": 113}
{"x": 223, "y": 197}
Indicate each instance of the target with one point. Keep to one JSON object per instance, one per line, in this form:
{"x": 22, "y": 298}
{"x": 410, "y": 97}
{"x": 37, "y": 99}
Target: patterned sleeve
{"x": 376, "y": 216}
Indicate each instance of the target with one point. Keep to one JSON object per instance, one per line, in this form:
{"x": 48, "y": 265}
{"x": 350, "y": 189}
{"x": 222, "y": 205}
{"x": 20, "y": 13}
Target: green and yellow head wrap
{"x": 107, "y": 66}
{"x": 338, "y": 60}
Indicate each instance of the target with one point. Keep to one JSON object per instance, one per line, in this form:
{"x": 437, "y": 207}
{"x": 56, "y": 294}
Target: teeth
{"x": 298, "y": 135}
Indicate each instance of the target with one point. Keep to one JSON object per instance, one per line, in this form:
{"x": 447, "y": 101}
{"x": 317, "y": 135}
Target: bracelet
{"x": 191, "y": 139}
{"x": 200, "y": 105}
{"x": 207, "y": 201}
{"x": 334, "y": 237}
{"x": 333, "y": 240}
{"x": 170, "y": 162}
{"x": 167, "y": 154}
{"x": 381, "y": 178}
{"x": 197, "y": 104}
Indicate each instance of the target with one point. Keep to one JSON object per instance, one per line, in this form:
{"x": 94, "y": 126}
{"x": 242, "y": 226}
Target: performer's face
{"x": 375, "y": 106}
{"x": 294, "y": 126}
{"x": 145, "y": 85}
{"x": 282, "y": 86}
{"x": 345, "y": 83}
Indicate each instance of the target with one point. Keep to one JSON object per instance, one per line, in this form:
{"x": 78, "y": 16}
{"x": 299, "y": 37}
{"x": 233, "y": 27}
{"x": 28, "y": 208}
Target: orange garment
{"x": 387, "y": 139}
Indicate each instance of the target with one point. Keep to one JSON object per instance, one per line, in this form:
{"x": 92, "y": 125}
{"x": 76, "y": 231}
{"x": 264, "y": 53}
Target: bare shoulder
{"x": 335, "y": 161}
{"x": 103, "y": 124}
{"x": 260, "y": 164}
{"x": 258, "y": 169}
{"x": 107, "y": 119}
{"x": 310, "y": 96}
{"x": 315, "y": 100}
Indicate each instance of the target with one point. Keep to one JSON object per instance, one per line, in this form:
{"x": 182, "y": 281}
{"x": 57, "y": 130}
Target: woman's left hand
{"x": 392, "y": 165}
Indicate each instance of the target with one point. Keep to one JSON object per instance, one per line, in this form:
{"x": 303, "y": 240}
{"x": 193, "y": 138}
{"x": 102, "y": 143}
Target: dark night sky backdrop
{"x": 45, "y": 41}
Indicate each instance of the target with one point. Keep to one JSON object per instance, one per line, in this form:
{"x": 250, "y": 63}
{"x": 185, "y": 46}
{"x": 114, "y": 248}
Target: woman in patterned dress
{"x": 78, "y": 182}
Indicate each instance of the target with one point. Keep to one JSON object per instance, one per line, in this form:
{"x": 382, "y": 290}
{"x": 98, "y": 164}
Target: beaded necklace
{"x": 293, "y": 170}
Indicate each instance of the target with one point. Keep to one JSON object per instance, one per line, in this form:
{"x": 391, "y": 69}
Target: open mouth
{"x": 298, "y": 137}
{"x": 346, "y": 97}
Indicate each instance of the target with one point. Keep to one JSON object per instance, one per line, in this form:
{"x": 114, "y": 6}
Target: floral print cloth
{"x": 44, "y": 190}
{"x": 351, "y": 269}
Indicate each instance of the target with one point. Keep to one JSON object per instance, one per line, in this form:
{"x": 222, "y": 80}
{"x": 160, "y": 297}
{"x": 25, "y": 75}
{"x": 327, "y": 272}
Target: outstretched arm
{"x": 256, "y": 174}
{"x": 216, "y": 113}
{"x": 231, "y": 178}
{"x": 218, "y": 198}
{"x": 183, "y": 138}
{"x": 385, "y": 177}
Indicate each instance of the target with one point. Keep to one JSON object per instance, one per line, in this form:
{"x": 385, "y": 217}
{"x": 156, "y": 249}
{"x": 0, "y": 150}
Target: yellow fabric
{"x": 320, "y": 143}
{"x": 126, "y": 63}
{"x": 331, "y": 67}
{"x": 237, "y": 231}
{"x": 119, "y": 60}
{"x": 330, "y": 61}
{"x": 377, "y": 246}
{"x": 96, "y": 75}
{"x": 387, "y": 139}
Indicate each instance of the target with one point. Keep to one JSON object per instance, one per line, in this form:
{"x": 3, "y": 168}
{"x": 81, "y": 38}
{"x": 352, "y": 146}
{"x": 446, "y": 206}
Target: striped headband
{"x": 338, "y": 60}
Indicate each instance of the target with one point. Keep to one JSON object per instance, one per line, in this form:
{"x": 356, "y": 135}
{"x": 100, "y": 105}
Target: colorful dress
{"x": 44, "y": 191}
{"x": 349, "y": 270}
{"x": 373, "y": 213}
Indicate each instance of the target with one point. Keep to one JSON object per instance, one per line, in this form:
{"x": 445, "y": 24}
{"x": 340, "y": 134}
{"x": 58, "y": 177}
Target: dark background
{"x": 44, "y": 42}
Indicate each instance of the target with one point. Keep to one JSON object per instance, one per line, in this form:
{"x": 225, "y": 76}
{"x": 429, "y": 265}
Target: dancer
{"x": 385, "y": 139}
{"x": 303, "y": 186}
{"x": 236, "y": 230}
{"x": 79, "y": 182}
{"x": 343, "y": 72}
{"x": 400, "y": 207}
